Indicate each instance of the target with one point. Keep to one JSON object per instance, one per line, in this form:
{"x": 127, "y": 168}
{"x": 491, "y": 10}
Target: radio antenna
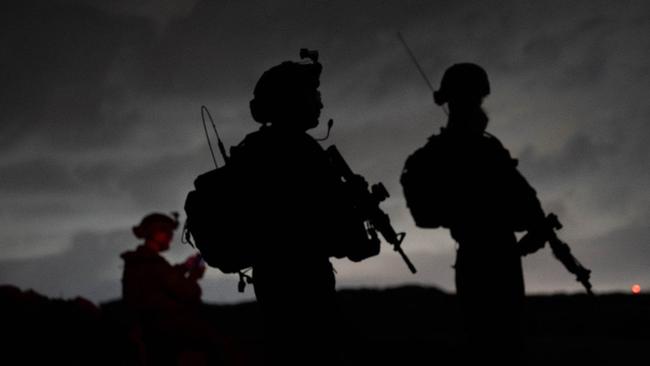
{"x": 415, "y": 61}
{"x": 222, "y": 148}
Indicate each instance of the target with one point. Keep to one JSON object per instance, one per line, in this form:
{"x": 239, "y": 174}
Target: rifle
{"x": 560, "y": 249}
{"x": 368, "y": 203}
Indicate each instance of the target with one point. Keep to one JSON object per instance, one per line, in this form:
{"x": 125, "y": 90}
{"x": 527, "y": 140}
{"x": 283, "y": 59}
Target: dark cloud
{"x": 573, "y": 55}
{"x": 628, "y": 246}
{"x": 543, "y": 49}
{"x": 579, "y": 154}
{"x": 57, "y": 58}
{"x": 88, "y": 268}
{"x": 160, "y": 12}
{"x": 28, "y": 209}
{"x": 36, "y": 176}
{"x": 164, "y": 179}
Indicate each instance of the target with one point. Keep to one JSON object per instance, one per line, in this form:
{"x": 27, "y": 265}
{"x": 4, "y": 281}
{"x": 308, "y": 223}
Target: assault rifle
{"x": 367, "y": 201}
{"x": 535, "y": 240}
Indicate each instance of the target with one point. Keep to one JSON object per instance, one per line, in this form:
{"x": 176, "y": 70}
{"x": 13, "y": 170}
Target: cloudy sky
{"x": 100, "y": 122}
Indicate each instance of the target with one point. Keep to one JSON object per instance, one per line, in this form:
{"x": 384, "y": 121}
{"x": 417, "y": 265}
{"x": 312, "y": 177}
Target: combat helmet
{"x": 281, "y": 84}
{"x": 462, "y": 81}
{"x": 155, "y": 222}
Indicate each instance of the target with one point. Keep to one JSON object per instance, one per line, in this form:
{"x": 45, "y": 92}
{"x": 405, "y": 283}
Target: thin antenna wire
{"x": 207, "y": 136}
{"x": 222, "y": 148}
{"x": 415, "y": 61}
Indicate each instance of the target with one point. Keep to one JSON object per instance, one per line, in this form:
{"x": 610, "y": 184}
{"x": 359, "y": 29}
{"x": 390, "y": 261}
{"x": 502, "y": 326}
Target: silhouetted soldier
{"x": 300, "y": 219}
{"x": 463, "y": 179}
{"x": 165, "y": 299}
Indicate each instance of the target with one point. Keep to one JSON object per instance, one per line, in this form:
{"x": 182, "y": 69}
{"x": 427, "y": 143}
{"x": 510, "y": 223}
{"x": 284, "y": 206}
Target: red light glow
{"x": 636, "y": 289}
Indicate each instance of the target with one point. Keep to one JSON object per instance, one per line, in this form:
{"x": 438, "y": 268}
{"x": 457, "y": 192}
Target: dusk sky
{"x": 100, "y": 123}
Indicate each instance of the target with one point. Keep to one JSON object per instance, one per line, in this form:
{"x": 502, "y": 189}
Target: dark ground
{"x": 416, "y": 325}
{"x": 400, "y": 326}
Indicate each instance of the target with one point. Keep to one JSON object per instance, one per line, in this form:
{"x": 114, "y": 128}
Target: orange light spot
{"x": 636, "y": 289}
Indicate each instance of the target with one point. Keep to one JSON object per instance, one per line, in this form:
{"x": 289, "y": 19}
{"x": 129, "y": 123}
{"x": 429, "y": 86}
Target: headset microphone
{"x": 330, "y": 123}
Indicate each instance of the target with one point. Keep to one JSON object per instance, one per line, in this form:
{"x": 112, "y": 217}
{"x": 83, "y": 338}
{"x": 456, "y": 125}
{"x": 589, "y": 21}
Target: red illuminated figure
{"x": 163, "y": 299}
{"x": 636, "y": 289}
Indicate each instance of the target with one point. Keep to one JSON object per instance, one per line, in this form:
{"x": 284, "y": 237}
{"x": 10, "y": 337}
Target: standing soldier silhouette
{"x": 301, "y": 218}
{"x": 464, "y": 180}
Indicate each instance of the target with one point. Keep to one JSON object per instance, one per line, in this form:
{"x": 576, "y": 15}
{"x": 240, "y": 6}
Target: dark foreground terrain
{"x": 400, "y": 326}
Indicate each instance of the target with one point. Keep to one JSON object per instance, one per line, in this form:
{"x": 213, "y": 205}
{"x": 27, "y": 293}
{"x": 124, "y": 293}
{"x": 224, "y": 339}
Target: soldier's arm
{"x": 531, "y": 215}
{"x": 179, "y": 287}
{"x": 529, "y": 212}
{"x": 532, "y": 206}
{"x": 525, "y": 210}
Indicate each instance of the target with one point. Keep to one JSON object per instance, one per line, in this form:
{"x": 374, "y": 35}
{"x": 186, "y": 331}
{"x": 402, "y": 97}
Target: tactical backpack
{"x": 431, "y": 183}
{"x": 215, "y": 212}
{"x": 214, "y": 220}
{"x": 422, "y": 190}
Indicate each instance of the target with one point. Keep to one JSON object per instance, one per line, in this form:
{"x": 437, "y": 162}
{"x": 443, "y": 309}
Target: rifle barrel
{"x": 406, "y": 259}
{"x": 562, "y": 252}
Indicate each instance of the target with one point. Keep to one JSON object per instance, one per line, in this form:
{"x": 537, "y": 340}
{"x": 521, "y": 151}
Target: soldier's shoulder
{"x": 494, "y": 147}
{"x": 140, "y": 254}
{"x": 491, "y": 139}
{"x": 492, "y": 142}
{"x": 254, "y": 138}
{"x": 252, "y": 145}
{"x": 438, "y": 139}
{"x": 430, "y": 151}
